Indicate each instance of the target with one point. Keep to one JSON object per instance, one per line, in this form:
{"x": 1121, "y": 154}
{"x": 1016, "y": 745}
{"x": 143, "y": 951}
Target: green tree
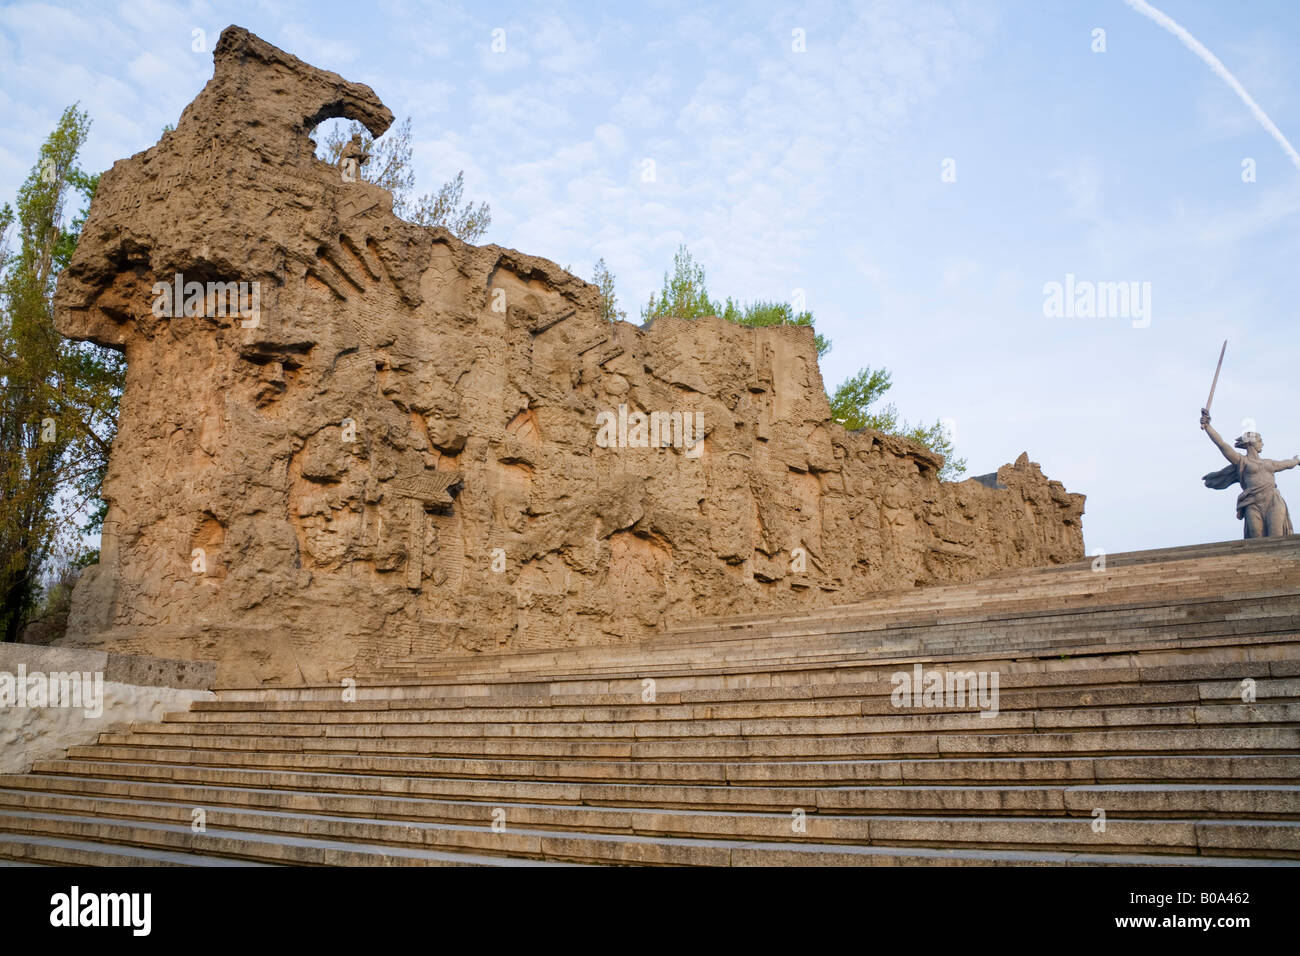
{"x": 762, "y": 313}
{"x": 603, "y": 279}
{"x": 59, "y": 397}
{"x": 685, "y": 295}
{"x": 851, "y": 407}
{"x": 390, "y": 167}
{"x": 851, "y": 403}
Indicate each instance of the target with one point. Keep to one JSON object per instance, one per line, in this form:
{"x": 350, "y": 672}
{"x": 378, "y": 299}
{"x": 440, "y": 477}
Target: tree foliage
{"x": 756, "y": 315}
{"x": 685, "y": 295}
{"x": 59, "y": 397}
{"x": 851, "y": 403}
{"x": 851, "y": 407}
{"x": 390, "y": 167}
{"x": 603, "y": 279}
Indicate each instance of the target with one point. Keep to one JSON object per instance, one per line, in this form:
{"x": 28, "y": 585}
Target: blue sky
{"x": 821, "y": 171}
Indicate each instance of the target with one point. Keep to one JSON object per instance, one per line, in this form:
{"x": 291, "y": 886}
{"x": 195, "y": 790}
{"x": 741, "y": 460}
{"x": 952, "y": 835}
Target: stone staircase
{"x": 1124, "y": 733}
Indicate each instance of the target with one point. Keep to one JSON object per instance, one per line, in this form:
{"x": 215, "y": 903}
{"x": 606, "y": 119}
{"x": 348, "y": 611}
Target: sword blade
{"x": 1215, "y": 384}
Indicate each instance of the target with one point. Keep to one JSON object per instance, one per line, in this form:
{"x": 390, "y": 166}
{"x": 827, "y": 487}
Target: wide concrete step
{"x": 395, "y": 754}
{"x": 650, "y": 723}
{"x": 111, "y": 778}
{"x": 865, "y": 699}
{"x": 1015, "y": 677}
{"x": 1271, "y": 655}
{"x": 911, "y": 795}
{"x": 542, "y": 755}
{"x": 244, "y": 845}
{"x": 461, "y": 846}
{"x": 468, "y": 827}
{"x": 417, "y": 737}
{"x": 31, "y": 849}
{"x": 856, "y": 642}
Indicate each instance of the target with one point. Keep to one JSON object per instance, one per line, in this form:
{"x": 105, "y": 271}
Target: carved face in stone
{"x": 510, "y": 510}
{"x": 445, "y": 431}
{"x": 1248, "y": 441}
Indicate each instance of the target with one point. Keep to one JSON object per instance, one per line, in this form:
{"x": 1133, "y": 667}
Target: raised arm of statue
{"x": 1224, "y": 447}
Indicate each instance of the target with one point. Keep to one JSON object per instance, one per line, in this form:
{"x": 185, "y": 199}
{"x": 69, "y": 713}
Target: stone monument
{"x": 347, "y": 438}
{"x": 1260, "y": 504}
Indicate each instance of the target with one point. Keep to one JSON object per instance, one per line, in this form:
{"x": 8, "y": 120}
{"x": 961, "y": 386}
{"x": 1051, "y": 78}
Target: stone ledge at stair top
{"x": 134, "y": 670}
{"x": 1205, "y": 549}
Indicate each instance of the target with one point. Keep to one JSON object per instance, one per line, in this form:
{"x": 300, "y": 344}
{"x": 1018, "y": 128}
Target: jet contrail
{"x": 1189, "y": 41}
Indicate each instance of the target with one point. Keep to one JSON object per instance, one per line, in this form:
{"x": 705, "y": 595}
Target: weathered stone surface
{"x": 82, "y": 694}
{"x": 471, "y": 379}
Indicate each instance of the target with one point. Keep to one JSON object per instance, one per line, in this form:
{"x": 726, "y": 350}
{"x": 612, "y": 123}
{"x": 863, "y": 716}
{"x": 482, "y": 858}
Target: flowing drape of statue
{"x": 1260, "y": 504}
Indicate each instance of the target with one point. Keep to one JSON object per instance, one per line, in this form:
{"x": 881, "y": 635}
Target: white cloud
{"x": 558, "y": 48}
{"x": 956, "y": 273}
{"x": 325, "y": 52}
{"x": 1081, "y": 182}
{"x": 610, "y": 137}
